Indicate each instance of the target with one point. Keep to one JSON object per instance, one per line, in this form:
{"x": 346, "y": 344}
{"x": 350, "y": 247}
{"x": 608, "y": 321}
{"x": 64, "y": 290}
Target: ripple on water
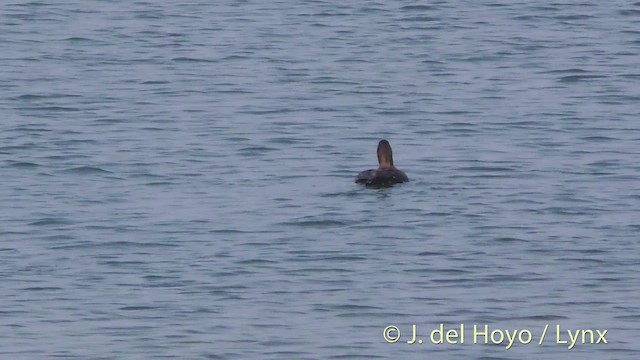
{"x": 86, "y": 170}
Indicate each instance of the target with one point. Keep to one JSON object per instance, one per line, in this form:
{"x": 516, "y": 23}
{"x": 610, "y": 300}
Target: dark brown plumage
{"x": 386, "y": 174}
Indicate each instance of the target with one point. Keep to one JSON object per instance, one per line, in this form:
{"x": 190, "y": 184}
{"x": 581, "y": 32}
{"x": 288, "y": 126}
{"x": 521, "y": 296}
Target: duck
{"x": 386, "y": 174}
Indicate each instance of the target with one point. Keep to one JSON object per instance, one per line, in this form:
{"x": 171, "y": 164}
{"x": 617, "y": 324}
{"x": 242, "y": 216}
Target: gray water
{"x": 177, "y": 178}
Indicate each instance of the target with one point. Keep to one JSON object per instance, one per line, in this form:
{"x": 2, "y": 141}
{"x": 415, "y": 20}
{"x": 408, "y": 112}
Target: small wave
{"x": 575, "y": 17}
{"x": 629, "y": 12}
{"x": 430, "y": 253}
{"x": 257, "y": 262}
{"x": 418, "y": 7}
{"x": 50, "y": 221}
{"x": 577, "y": 78}
{"x": 113, "y": 245}
{"x": 51, "y": 108}
{"x": 486, "y": 168}
{"x": 598, "y": 138}
{"x": 24, "y": 165}
{"x": 542, "y": 317}
{"x": 420, "y": 19}
{"x": 192, "y": 60}
{"x": 79, "y": 40}
{"x": 510, "y": 240}
{"x": 47, "y": 96}
{"x": 86, "y": 170}
{"x": 315, "y": 223}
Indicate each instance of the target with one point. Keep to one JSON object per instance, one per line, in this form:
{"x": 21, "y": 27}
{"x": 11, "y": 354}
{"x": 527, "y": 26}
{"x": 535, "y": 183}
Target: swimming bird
{"x": 386, "y": 174}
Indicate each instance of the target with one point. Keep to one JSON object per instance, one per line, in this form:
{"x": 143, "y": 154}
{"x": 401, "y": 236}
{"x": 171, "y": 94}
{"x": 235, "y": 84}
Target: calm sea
{"x": 177, "y": 179}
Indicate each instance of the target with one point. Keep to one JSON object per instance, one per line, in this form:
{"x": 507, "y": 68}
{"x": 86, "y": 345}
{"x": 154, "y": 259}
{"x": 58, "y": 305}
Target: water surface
{"x": 178, "y": 177}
